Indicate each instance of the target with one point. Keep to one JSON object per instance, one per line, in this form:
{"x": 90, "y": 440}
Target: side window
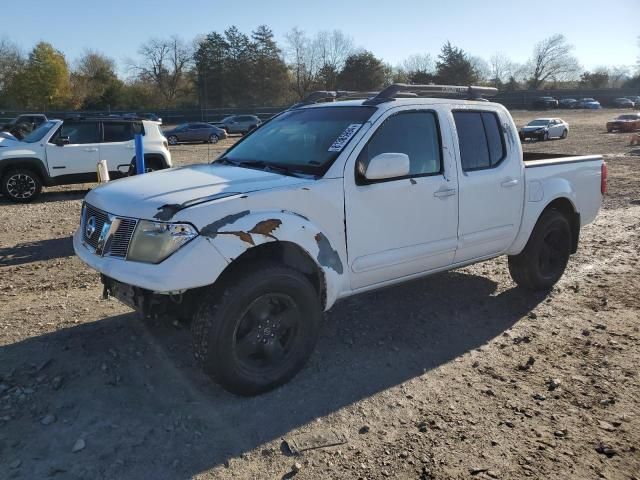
{"x": 78, "y": 132}
{"x": 480, "y": 139}
{"x": 118, "y": 131}
{"x": 415, "y": 134}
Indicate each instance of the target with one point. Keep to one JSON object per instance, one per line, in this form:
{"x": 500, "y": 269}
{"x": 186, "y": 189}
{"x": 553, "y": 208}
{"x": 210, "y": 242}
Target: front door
{"x": 401, "y": 226}
{"x": 77, "y": 160}
{"x": 491, "y": 184}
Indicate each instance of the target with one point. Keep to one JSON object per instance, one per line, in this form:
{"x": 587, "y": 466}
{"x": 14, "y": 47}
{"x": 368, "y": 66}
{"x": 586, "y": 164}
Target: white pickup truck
{"x": 63, "y": 152}
{"x": 327, "y": 200}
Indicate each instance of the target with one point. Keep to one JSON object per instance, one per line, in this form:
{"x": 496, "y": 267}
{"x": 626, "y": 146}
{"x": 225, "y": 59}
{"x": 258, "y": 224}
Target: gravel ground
{"x": 460, "y": 375}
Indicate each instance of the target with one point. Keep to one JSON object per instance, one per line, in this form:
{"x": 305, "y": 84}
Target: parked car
{"x": 623, "y": 103}
{"x": 545, "y": 103}
{"x": 588, "y": 103}
{"x": 544, "y": 129}
{"x": 194, "y": 132}
{"x": 66, "y": 152}
{"x": 567, "y": 103}
{"x": 636, "y": 101}
{"x": 150, "y": 116}
{"x": 629, "y": 122}
{"x": 238, "y": 123}
{"x": 326, "y": 201}
{"x": 142, "y": 116}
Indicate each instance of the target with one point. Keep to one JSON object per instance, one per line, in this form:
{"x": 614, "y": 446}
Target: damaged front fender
{"x": 234, "y": 234}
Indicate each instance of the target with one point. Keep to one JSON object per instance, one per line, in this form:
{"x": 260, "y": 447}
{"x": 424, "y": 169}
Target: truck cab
{"x": 328, "y": 200}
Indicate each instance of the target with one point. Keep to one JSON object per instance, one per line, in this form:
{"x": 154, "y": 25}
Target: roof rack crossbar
{"x": 400, "y": 90}
{"x": 406, "y": 90}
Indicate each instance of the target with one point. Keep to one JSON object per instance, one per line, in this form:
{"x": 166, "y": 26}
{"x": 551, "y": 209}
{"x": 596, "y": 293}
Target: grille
{"x": 101, "y": 218}
{"x": 122, "y": 237}
{"x": 119, "y": 231}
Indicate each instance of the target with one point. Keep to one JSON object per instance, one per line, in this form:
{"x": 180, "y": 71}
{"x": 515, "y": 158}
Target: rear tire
{"x": 543, "y": 261}
{"x": 172, "y": 139}
{"x": 21, "y": 185}
{"x": 257, "y": 331}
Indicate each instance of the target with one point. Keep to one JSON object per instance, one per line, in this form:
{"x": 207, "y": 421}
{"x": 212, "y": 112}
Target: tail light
{"x": 603, "y": 178}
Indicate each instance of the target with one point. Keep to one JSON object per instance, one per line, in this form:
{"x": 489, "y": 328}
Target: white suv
{"x": 66, "y": 152}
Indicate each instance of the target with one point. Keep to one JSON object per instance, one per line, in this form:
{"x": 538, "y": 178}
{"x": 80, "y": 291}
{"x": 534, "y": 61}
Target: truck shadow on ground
{"x": 36, "y": 251}
{"x": 132, "y": 392}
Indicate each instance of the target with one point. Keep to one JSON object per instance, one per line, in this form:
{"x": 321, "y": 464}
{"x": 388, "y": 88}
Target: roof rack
{"x": 400, "y": 90}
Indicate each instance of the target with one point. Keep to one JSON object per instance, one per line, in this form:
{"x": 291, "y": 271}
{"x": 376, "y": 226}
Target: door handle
{"x": 510, "y": 182}
{"x": 91, "y": 149}
{"x": 444, "y": 193}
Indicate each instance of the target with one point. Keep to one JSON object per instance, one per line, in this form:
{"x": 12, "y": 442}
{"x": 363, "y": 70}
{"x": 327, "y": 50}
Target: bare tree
{"x": 500, "y": 69}
{"x": 333, "y": 48}
{"x": 618, "y": 75}
{"x": 481, "y": 67}
{"x": 420, "y": 62}
{"x": 552, "y": 60}
{"x": 165, "y": 63}
{"x": 302, "y": 59}
{"x": 11, "y": 61}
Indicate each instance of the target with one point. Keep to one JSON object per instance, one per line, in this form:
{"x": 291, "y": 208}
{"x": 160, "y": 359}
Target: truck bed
{"x": 537, "y": 159}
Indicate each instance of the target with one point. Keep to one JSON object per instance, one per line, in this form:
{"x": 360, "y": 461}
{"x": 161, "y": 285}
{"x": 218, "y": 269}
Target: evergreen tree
{"x": 362, "y": 71}
{"x": 454, "y": 67}
{"x": 269, "y": 70}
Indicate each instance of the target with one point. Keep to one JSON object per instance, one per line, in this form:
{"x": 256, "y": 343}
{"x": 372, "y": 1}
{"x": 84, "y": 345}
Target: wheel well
{"x": 285, "y": 253}
{"x": 565, "y": 206}
{"x": 25, "y": 164}
{"x": 152, "y": 158}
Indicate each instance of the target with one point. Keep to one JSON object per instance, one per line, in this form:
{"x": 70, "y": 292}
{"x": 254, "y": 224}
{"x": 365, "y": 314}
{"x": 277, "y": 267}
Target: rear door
{"x": 490, "y": 178}
{"x": 118, "y": 146}
{"x": 77, "y": 160}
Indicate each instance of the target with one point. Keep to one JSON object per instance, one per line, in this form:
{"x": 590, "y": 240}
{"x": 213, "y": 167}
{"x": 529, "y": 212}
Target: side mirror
{"x": 387, "y": 165}
{"x": 61, "y": 141}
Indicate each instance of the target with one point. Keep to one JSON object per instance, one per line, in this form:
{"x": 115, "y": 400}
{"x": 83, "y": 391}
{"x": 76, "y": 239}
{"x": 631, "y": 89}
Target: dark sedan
{"x": 568, "y": 103}
{"x": 194, "y": 132}
{"x": 545, "y": 102}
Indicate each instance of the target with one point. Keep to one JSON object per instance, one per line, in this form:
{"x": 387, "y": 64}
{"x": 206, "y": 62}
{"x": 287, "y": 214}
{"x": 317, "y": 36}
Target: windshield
{"x": 38, "y": 133}
{"x": 538, "y": 123}
{"x": 306, "y": 140}
{"x": 629, "y": 117}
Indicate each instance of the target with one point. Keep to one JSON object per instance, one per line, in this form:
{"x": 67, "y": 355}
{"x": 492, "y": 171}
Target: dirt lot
{"x": 460, "y": 375}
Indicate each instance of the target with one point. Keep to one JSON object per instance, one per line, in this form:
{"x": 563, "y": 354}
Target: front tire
{"x": 258, "y": 331}
{"x": 213, "y": 138}
{"x": 564, "y": 134}
{"x": 172, "y": 139}
{"x": 21, "y": 186}
{"x": 543, "y": 261}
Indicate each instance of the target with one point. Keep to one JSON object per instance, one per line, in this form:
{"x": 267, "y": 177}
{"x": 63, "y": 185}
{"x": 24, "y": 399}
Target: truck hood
{"x": 15, "y": 149}
{"x": 160, "y": 195}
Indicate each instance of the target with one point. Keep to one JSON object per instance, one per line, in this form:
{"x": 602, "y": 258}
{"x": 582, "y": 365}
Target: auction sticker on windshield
{"x": 344, "y": 137}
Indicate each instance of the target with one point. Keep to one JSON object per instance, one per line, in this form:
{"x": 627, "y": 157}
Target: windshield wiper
{"x": 266, "y": 166}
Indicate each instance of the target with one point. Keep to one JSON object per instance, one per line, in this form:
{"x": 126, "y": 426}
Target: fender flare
{"x": 31, "y": 163}
{"x": 553, "y": 190}
{"x": 235, "y": 234}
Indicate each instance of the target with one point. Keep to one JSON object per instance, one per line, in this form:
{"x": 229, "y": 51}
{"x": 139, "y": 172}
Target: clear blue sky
{"x": 603, "y": 32}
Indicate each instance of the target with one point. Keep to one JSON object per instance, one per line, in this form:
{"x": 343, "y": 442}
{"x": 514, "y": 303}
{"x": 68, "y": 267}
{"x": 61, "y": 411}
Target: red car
{"x": 629, "y": 122}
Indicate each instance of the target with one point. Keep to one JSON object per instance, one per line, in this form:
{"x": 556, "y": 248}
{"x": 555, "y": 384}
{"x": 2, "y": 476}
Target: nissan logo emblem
{"x": 90, "y": 228}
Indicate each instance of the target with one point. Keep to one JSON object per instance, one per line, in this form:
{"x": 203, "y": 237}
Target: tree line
{"x": 235, "y": 69}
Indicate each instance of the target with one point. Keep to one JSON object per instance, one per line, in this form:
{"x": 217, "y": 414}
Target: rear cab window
{"x": 480, "y": 139}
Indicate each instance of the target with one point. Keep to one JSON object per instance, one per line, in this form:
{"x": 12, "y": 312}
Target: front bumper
{"x": 196, "y": 264}
{"x": 531, "y": 135}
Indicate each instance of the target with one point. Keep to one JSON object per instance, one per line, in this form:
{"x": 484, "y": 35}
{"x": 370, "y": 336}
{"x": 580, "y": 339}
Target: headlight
{"x": 152, "y": 242}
